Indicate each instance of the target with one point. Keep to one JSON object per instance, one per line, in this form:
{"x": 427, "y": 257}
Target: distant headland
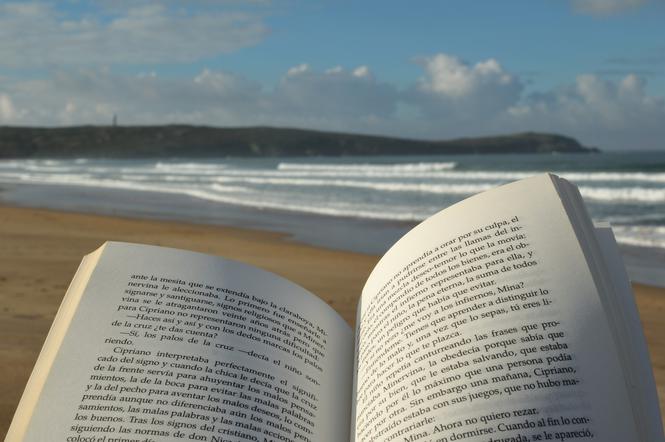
{"x": 205, "y": 141}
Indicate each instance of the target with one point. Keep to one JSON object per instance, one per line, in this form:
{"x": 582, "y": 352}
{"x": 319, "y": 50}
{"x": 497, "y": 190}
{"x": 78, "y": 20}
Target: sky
{"x": 591, "y": 69}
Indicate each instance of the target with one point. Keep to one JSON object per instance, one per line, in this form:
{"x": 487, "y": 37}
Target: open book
{"x": 506, "y": 317}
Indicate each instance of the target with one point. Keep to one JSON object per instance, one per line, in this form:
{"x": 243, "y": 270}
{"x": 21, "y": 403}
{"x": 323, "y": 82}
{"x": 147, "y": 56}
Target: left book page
{"x": 156, "y": 344}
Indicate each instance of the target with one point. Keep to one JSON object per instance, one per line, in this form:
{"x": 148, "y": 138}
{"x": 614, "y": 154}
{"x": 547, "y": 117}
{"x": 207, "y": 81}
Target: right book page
{"x": 484, "y": 323}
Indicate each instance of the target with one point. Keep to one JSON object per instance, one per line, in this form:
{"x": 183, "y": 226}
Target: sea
{"x": 362, "y": 204}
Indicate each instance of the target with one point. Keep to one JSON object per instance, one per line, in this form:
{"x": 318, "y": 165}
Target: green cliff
{"x": 203, "y": 141}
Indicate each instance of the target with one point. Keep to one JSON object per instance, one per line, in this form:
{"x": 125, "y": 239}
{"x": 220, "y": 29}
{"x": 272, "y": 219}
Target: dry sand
{"x": 41, "y": 249}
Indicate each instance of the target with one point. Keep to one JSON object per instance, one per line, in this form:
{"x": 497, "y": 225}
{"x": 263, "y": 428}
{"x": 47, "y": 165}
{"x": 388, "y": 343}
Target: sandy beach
{"x": 41, "y": 250}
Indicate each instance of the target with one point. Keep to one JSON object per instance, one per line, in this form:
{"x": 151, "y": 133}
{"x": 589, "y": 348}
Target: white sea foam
{"x": 454, "y": 189}
{"x": 404, "y": 192}
{"x": 644, "y": 236}
{"x": 84, "y": 181}
{"x": 605, "y": 195}
{"x": 437, "y": 172}
{"x": 623, "y": 194}
{"x": 406, "y": 167}
{"x": 636, "y": 218}
{"x": 351, "y": 173}
{"x": 601, "y": 194}
{"x": 608, "y": 177}
{"x": 339, "y": 209}
{"x": 224, "y": 193}
{"x": 189, "y": 166}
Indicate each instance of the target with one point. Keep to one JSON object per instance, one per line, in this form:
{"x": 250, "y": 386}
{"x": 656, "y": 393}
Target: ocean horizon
{"x": 361, "y": 204}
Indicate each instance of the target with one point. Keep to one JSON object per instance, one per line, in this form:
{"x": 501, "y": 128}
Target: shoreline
{"x": 42, "y": 249}
{"x": 343, "y": 233}
{"x": 350, "y": 234}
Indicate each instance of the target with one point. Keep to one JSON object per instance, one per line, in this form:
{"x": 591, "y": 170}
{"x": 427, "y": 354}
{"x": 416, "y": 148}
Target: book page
{"x": 484, "y": 324}
{"x": 643, "y": 386}
{"x": 168, "y": 345}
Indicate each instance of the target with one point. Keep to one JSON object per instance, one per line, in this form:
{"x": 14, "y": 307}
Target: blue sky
{"x": 592, "y": 69}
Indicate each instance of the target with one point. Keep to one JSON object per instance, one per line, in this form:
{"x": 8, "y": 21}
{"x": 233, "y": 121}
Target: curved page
{"x": 168, "y": 345}
{"x": 484, "y": 324}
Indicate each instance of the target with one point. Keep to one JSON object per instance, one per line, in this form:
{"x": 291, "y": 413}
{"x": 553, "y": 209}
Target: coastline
{"x": 42, "y": 249}
{"x": 352, "y": 234}
{"x": 344, "y": 233}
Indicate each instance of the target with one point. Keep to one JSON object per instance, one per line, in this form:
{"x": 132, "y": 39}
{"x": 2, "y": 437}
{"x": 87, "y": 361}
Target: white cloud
{"x": 224, "y": 82}
{"x": 94, "y": 96}
{"x": 334, "y": 99}
{"x": 39, "y": 34}
{"x": 454, "y": 88}
{"x": 614, "y": 114}
{"x": 448, "y": 75}
{"x": 605, "y": 7}
{"x": 7, "y": 111}
{"x": 297, "y": 70}
{"x": 361, "y": 71}
{"x": 335, "y": 70}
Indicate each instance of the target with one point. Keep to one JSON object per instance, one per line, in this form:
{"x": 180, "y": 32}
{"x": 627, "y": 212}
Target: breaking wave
{"x": 408, "y": 191}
